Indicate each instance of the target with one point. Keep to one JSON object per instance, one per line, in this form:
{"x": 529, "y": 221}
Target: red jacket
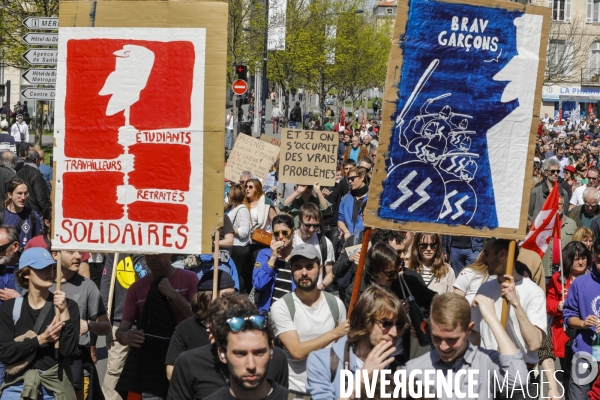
{"x": 553, "y": 297}
{"x": 594, "y": 393}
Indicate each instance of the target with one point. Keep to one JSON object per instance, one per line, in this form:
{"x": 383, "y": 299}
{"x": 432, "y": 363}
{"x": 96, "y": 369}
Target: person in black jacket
{"x": 193, "y": 331}
{"x": 36, "y": 322}
{"x": 8, "y": 163}
{"x": 200, "y": 372}
{"x": 39, "y": 194}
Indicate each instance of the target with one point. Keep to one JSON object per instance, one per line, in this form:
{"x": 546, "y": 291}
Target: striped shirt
{"x": 283, "y": 282}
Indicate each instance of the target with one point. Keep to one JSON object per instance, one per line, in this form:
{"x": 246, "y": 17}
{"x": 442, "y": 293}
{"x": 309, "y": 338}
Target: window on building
{"x": 561, "y": 10}
{"x": 594, "y": 73}
{"x": 560, "y": 57}
{"x": 593, "y": 11}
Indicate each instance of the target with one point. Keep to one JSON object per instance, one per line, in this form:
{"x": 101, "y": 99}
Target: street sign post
{"x": 239, "y": 87}
{"x": 41, "y": 56}
{"x": 42, "y": 23}
{"x": 40, "y": 76}
{"x": 40, "y": 39}
{"x": 39, "y": 94}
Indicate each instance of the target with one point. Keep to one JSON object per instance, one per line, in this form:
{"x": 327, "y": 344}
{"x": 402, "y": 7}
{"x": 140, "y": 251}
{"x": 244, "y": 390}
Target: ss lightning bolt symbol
{"x": 406, "y": 192}
{"x": 448, "y": 208}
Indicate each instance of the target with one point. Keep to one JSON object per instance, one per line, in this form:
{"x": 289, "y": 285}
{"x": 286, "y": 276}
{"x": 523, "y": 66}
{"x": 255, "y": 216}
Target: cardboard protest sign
{"x": 461, "y": 105}
{"x": 308, "y": 157}
{"x": 270, "y": 139}
{"x": 132, "y": 175}
{"x": 250, "y": 154}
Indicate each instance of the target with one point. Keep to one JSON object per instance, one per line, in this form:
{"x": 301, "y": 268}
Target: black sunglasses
{"x": 424, "y": 246}
{"x": 387, "y": 324}
{"x": 316, "y": 226}
{"x": 5, "y": 246}
{"x": 352, "y": 178}
{"x": 391, "y": 274}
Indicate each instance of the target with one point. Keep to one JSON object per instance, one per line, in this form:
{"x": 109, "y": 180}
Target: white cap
{"x": 4, "y": 124}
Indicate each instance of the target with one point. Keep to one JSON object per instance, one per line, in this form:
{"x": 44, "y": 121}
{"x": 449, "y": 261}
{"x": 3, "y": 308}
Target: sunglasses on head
{"x": 5, "y": 246}
{"x": 237, "y": 324}
{"x": 424, "y": 246}
{"x": 284, "y": 233}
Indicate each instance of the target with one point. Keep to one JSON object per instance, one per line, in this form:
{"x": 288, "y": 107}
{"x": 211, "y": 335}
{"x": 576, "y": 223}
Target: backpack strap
{"x": 333, "y": 307}
{"x": 289, "y": 302}
{"x": 17, "y": 309}
{"x": 42, "y": 317}
{"x": 333, "y": 363}
{"x": 2, "y": 217}
{"x": 323, "y": 249}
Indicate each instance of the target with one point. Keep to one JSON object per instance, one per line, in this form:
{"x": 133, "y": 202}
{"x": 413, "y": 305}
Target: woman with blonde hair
{"x": 469, "y": 280}
{"x": 427, "y": 259}
{"x": 585, "y": 236}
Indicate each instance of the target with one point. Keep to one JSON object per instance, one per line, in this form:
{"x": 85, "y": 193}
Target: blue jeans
{"x": 294, "y": 125}
{"x": 229, "y": 139}
{"x": 13, "y": 392}
{"x": 460, "y": 258}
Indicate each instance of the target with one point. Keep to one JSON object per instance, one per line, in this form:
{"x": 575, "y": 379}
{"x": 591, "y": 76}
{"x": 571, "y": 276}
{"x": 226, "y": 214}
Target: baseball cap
{"x": 307, "y": 251}
{"x": 206, "y": 282}
{"x": 36, "y": 258}
{"x": 4, "y": 124}
{"x": 569, "y": 168}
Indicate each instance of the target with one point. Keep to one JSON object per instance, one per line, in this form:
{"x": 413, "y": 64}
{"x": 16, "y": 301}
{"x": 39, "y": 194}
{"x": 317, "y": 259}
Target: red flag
{"x": 343, "y": 121}
{"x": 590, "y": 109}
{"x": 560, "y": 116}
{"x": 543, "y": 227}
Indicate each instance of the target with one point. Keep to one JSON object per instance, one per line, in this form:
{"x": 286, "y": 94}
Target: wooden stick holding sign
{"x": 359, "y": 269}
{"x": 113, "y": 278}
{"x": 58, "y": 286}
{"x": 216, "y": 267}
{"x": 510, "y": 266}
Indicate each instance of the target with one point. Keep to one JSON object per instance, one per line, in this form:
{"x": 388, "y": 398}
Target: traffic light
{"x": 241, "y": 72}
{"x": 2, "y": 90}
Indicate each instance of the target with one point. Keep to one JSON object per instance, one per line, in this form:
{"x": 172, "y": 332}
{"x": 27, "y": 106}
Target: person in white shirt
{"x": 469, "y": 280}
{"x": 527, "y": 320}
{"x": 307, "y": 319}
{"x": 593, "y": 173}
{"x": 20, "y": 131}
{"x": 309, "y": 221}
{"x": 230, "y": 139}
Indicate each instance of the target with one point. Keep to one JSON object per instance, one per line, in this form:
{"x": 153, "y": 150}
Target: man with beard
{"x": 307, "y": 319}
{"x": 245, "y": 345}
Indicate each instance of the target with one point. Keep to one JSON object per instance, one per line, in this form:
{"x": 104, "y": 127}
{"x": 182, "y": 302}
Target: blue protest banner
{"x": 462, "y": 98}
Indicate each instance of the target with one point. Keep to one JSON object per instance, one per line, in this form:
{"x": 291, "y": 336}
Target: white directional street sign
{"x": 40, "y": 76}
{"x": 43, "y": 39}
{"x": 43, "y": 23}
{"x": 39, "y": 94}
{"x": 41, "y": 56}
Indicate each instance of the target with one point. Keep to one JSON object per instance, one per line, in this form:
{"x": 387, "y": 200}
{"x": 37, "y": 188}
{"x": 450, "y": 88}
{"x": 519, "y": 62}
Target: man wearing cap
{"x": 92, "y": 318}
{"x": 7, "y": 142}
{"x": 306, "y": 319}
{"x": 20, "y": 130}
{"x": 193, "y": 331}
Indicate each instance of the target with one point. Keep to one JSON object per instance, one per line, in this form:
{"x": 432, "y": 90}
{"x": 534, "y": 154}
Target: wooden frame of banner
{"x": 211, "y": 15}
{"x": 395, "y": 62}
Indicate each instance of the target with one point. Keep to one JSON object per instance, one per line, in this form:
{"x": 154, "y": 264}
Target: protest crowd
{"x": 288, "y": 256}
